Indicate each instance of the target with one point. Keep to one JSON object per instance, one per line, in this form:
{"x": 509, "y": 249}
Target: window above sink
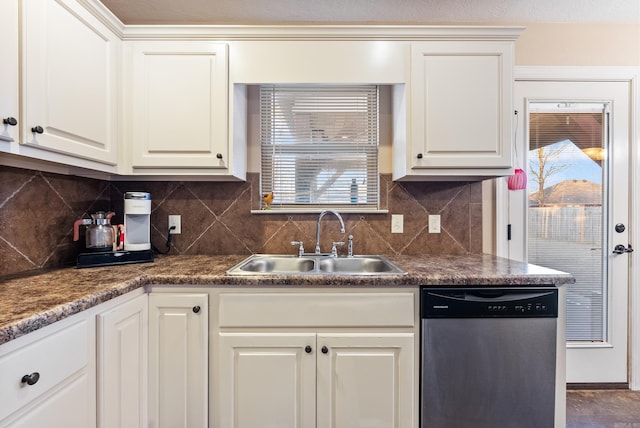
{"x": 319, "y": 147}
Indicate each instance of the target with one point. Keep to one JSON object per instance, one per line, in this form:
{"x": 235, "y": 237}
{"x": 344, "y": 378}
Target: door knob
{"x": 31, "y": 379}
{"x": 621, "y": 249}
{"x": 10, "y": 121}
{"x": 37, "y": 130}
{"x": 308, "y": 349}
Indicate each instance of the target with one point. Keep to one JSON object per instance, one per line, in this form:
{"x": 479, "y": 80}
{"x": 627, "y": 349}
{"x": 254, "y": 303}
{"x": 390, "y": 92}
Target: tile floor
{"x": 603, "y": 409}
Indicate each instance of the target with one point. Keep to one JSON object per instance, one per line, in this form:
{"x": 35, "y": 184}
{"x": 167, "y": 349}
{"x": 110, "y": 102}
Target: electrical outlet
{"x": 397, "y": 223}
{"x": 434, "y": 223}
{"x": 174, "y": 220}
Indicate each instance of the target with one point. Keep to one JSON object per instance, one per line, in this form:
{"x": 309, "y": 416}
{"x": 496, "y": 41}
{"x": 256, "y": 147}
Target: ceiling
{"x": 264, "y": 12}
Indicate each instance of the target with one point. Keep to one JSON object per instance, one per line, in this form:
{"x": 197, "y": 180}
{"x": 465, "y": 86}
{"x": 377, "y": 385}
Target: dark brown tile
{"x": 12, "y": 180}
{"x": 475, "y": 228}
{"x": 35, "y": 220}
{"x": 237, "y": 217}
{"x": 455, "y": 219}
{"x": 435, "y": 196}
{"x": 195, "y": 217}
{"x": 475, "y": 192}
{"x": 279, "y": 235}
{"x": 434, "y": 243}
{"x": 12, "y": 261}
{"x": 218, "y": 240}
{"x": 219, "y": 197}
{"x": 84, "y": 196}
{"x": 367, "y": 241}
{"x": 217, "y": 219}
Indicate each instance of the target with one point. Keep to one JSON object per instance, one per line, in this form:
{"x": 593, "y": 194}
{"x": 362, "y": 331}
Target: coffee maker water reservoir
{"x": 137, "y": 221}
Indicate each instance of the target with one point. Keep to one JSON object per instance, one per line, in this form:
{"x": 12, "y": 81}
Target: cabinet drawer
{"x": 55, "y": 358}
{"x": 316, "y": 309}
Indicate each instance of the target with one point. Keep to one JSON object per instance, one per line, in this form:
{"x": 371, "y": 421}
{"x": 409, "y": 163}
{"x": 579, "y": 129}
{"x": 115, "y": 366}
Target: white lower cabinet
{"x": 281, "y": 359}
{"x": 47, "y": 378}
{"x": 122, "y": 364}
{"x": 365, "y": 380}
{"x": 296, "y": 380}
{"x": 267, "y": 380}
{"x": 283, "y": 362}
{"x": 178, "y": 360}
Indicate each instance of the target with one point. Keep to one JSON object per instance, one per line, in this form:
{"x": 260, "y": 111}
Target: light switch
{"x": 434, "y": 223}
{"x": 397, "y": 223}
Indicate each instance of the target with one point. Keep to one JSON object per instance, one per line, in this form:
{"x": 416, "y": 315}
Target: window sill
{"x": 319, "y": 210}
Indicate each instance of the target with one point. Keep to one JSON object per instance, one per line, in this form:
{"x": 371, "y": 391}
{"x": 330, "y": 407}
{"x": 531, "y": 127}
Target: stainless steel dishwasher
{"x": 488, "y": 357}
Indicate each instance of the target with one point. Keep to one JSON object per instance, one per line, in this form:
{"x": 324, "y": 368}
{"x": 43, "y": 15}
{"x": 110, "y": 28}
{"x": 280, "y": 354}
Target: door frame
{"x": 500, "y": 192}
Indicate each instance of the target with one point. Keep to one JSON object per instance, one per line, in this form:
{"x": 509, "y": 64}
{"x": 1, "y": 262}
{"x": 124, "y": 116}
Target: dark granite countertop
{"x": 34, "y": 301}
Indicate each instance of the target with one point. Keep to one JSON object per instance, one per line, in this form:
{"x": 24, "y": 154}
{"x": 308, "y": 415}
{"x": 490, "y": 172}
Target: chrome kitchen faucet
{"x": 322, "y": 214}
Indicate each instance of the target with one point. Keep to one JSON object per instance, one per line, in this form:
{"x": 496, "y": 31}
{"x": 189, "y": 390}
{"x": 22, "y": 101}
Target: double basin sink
{"x": 263, "y": 264}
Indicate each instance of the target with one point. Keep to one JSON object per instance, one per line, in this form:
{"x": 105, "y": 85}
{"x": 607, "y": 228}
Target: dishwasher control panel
{"x": 521, "y": 302}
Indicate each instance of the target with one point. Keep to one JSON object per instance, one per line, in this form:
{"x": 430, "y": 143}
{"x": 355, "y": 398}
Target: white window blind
{"x": 567, "y": 215}
{"x": 319, "y": 145}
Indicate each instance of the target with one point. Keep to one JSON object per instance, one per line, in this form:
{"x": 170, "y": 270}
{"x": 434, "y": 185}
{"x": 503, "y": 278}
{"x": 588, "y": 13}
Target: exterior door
{"x": 573, "y": 142}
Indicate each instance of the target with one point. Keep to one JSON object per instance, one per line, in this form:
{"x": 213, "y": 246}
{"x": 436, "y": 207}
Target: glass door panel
{"x": 567, "y": 210}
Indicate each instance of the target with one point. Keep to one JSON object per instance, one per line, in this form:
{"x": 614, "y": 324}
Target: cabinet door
{"x": 67, "y": 407}
{"x": 178, "y": 360}
{"x": 61, "y": 390}
{"x": 267, "y": 380}
{"x": 461, "y": 110}
{"x": 69, "y": 86}
{"x": 8, "y": 72}
{"x": 122, "y": 365}
{"x": 180, "y": 102}
{"x": 366, "y": 380}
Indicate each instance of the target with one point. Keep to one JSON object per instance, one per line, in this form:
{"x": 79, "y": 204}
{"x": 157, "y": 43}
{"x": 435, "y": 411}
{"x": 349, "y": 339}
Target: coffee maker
{"x": 136, "y": 231}
{"x": 137, "y": 221}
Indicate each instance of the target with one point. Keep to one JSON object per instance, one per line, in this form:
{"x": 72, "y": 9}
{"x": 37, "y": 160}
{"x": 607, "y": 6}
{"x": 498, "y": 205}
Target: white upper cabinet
{"x": 70, "y": 63}
{"x": 180, "y": 102}
{"x": 458, "y": 111}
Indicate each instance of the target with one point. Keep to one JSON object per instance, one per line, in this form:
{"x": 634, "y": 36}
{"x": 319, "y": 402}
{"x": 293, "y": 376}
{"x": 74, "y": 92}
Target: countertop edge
{"x": 42, "y": 318}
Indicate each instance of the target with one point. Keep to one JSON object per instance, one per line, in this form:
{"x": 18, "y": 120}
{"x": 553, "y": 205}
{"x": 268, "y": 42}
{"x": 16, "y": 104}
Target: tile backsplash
{"x": 37, "y": 211}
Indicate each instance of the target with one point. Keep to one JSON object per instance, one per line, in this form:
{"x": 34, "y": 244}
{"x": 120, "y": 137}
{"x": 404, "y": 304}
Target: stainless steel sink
{"x": 361, "y": 265}
{"x": 265, "y": 264}
{"x": 274, "y": 264}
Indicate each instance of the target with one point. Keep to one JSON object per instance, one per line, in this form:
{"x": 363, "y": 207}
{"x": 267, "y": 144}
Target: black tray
{"x": 110, "y": 258}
